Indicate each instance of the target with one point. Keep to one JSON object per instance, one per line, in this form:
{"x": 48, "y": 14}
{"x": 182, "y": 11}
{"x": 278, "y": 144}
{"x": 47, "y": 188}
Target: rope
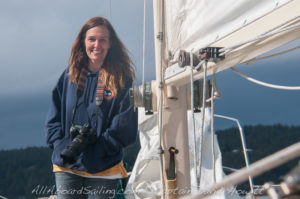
{"x": 110, "y": 9}
{"x": 203, "y": 116}
{"x": 262, "y": 36}
{"x": 264, "y": 83}
{"x": 273, "y": 55}
{"x": 144, "y": 45}
{"x": 212, "y": 130}
{"x": 193, "y": 116}
{"x": 218, "y": 92}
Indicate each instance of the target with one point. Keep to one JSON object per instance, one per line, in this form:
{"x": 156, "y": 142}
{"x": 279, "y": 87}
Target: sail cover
{"x": 194, "y": 23}
{"x": 144, "y": 181}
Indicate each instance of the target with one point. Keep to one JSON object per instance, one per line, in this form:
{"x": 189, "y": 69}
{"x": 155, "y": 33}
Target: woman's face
{"x": 97, "y": 44}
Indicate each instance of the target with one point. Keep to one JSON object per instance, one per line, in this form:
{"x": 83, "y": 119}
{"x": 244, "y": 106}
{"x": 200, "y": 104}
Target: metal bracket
{"x": 185, "y": 60}
{"x": 198, "y": 94}
{"x": 160, "y": 36}
{"x": 172, "y": 170}
{"x": 210, "y": 54}
{"x": 148, "y": 98}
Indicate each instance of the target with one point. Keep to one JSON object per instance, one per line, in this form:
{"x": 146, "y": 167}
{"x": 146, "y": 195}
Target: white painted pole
{"x": 172, "y": 114}
{"x": 158, "y": 28}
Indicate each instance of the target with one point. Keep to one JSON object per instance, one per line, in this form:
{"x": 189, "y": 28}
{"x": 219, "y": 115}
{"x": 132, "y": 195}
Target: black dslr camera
{"x": 81, "y": 137}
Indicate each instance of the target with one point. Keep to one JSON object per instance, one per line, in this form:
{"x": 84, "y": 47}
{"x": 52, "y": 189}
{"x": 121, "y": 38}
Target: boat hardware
{"x": 212, "y": 54}
{"x": 254, "y": 170}
{"x": 143, "y": 96}
{"x": 148, "y": 98}
{"x": 184, "y": 59}
{"x": 243, "y": 141}
{"x": 171, "y": 174}
{"x": 197, "y": 96}
{"x": 289, "y": 188}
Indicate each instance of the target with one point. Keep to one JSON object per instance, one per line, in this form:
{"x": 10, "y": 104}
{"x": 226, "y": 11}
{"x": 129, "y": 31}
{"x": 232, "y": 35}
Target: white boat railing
{"x": 243, "y": 144}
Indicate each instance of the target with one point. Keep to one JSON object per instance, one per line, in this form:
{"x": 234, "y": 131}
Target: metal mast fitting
{"x": 144, "y": 96}
{"x": 212, "y": 54}
{"x": 148, "y": 98}
{"x": 198, "y": 95}
{"x": 171, "y": 182}
{"x": 184, "y": 59}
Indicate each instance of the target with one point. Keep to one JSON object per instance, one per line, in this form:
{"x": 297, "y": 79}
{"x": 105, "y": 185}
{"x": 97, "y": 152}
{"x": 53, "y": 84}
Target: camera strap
{"x": 99, "y": 95}
{"x": 80, "y": 89}
{"x": 100, "y": 89}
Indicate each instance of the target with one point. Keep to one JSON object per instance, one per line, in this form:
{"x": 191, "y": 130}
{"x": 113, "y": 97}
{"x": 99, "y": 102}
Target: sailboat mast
{"x": 158, "y": 27}
{"x": 172, "y": 122}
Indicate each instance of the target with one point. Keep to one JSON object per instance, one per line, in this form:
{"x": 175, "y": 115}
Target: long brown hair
{"x": 117, "y": 68}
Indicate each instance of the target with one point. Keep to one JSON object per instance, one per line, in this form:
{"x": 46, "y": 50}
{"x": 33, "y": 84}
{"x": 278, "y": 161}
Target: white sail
{"x": 191, "y": 25}
{"x": 194, "y": 24}
{"x": 244, "y": 29}
{"x": 145, "y": 177}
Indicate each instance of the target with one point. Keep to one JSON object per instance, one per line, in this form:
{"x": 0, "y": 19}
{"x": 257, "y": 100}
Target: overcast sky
{"x": 36, "y": 37}
{"x": 35, "y": 40}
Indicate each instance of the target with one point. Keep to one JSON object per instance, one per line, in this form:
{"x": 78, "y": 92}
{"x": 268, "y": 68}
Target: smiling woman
{"x": 90, "y": 110}
{"x": 96, "y": 45}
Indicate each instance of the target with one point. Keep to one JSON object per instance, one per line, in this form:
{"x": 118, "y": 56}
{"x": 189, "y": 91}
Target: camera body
{"x": 81, "y": 136}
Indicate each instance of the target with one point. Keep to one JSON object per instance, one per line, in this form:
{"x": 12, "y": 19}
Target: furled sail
{"x": 193, "y": 23}
{"x": 145, "y": 180}
{"x": 242, "y": 30}
{"x": 245, "y": 29}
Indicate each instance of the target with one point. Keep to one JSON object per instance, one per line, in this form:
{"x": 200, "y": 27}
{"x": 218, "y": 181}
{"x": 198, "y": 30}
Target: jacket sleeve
{"x": 123, "y": 128}
{"x": 53, "y": 126}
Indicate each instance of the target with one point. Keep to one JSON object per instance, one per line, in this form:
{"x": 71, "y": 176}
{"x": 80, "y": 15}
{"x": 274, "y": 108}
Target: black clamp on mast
{"x": 212, "y": 54}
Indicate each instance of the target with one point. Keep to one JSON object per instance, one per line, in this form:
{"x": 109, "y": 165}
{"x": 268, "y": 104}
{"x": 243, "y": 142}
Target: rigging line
{"x": 110, "y": 10}
{"x": 282, "y": 24}
{"x": 193, "y": 116}
{"x": 212, "y": 130}
{"x": 144, "y": 39}
{"x": 262, "y": 36}
{"x": 226, "y": 35}
{"x": 264, "y": 83}
{"x": 203, "y": 120}
{"x": 230, "y": 169}
{"x": 218, "y": 92}
{"x": 252, "y": 61}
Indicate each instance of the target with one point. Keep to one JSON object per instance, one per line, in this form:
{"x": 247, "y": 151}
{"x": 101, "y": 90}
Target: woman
{"x": 91, "y": 98}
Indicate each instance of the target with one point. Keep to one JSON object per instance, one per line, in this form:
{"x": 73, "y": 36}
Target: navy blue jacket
{"x": 117, "y": 123}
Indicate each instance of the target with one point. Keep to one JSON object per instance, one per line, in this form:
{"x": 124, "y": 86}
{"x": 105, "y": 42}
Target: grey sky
{"x": 36, "y": 37}
{"x": 35, "y": 40}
